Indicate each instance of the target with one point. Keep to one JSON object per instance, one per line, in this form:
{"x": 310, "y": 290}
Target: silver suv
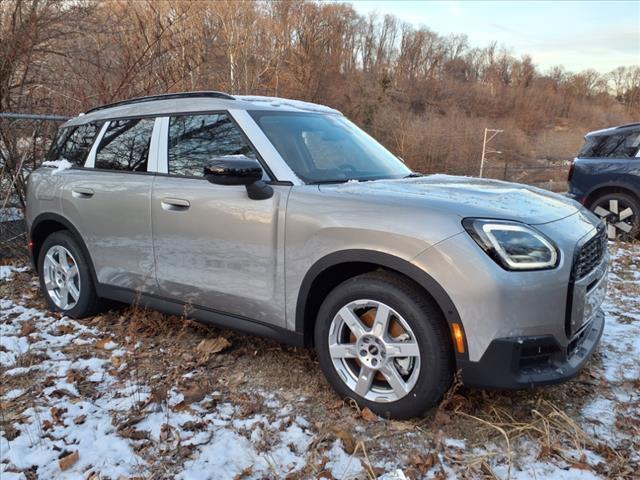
{"x": 284, "y": 219}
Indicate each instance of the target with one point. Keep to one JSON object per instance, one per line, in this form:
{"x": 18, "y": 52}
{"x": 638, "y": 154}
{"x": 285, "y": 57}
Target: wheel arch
{"x": 333, "y": 269}
{"x": 47, "y": 223}
{"x": 608, "y": 188}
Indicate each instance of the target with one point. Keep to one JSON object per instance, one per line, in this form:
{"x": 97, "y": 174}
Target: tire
{"x": 621, "y": 212}
{"x": 426, "y": 377}
{"x": 62, "y": 244}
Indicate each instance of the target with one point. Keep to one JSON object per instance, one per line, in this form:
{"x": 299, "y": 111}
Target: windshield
{"x": 327, "y": 148}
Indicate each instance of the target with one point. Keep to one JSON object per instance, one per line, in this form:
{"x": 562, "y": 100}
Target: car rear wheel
{"x": 65, "y": 277}
{"x": 382, "y": 341}
{"x": 621, "y": 213}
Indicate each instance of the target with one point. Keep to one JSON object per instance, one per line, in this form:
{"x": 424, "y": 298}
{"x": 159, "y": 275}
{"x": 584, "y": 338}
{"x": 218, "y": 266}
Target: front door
{"x": 214, "y": 246}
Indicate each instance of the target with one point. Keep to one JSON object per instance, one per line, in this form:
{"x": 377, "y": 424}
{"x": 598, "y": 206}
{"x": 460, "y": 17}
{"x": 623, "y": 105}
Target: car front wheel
{"x": 382, "y": 341}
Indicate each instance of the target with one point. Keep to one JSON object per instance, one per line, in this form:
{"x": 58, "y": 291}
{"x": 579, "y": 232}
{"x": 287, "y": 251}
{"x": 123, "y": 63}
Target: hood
{"x": 469, "y": 197}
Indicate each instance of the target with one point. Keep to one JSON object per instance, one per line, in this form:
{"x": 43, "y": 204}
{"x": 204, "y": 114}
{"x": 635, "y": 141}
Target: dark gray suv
{"x": 605, "y": 177}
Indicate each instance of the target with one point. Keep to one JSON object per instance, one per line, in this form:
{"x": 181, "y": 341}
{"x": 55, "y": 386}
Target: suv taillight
{"x": 571, "y": 169}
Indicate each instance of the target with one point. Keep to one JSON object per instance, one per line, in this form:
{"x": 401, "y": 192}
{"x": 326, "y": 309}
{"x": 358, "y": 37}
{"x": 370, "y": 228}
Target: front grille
{"x": 590, "y": 254}
{"x": 537, "y": 355}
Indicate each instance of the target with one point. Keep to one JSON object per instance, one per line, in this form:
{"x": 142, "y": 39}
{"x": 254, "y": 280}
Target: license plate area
{"x": 594, "y": 298}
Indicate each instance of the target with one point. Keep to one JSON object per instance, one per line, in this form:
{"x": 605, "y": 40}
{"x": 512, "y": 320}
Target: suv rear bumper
{"x": 526, "y": 362}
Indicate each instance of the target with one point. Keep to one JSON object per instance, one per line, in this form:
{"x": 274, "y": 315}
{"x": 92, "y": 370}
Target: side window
{"x": 612, "y": 146}
{"x": 125, "y": 145}
{"x": 195, "y": 140}
{"x": 74, "y": 143}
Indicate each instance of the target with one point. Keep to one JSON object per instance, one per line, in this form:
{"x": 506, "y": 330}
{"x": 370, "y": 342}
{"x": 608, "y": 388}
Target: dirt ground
{"x": 137, "y": 394}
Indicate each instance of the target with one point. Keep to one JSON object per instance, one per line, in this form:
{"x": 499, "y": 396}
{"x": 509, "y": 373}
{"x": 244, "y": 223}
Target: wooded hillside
{"x": 425, "y": 96}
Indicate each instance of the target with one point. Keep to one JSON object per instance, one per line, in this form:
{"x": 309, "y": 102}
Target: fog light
{"x": 458, "y": 336}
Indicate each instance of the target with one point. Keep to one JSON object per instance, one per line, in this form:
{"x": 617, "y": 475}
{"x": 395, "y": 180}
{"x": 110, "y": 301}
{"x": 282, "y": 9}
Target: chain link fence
{"x": 24, "y": 140}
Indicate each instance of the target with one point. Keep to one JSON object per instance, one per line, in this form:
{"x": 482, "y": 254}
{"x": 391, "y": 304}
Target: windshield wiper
{"x": 413, "y": 175}
{"x": 322, "y": 182}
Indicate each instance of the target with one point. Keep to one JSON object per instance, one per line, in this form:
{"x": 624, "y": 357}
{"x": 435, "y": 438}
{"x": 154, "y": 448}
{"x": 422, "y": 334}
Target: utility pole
{"x": 485, "y": 142}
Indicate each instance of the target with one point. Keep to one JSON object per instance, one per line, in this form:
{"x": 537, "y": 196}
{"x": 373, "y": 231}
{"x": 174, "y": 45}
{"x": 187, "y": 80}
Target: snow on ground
{"x": 66, "y": 422}
{"x": 74, "y": 405}
{"x": 10, "y": 214}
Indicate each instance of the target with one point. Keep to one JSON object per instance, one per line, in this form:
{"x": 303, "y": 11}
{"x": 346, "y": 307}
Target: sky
{"x": 579, "y": 35}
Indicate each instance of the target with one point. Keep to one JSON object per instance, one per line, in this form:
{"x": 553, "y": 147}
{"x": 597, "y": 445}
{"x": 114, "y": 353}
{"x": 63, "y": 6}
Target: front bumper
{"x": 526, "y": 362}
{"x": 524, "y": 328}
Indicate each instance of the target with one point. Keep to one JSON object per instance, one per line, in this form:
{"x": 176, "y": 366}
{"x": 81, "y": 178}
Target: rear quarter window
{"x": 623, "y": 145}
{"x": 74, "y": 143}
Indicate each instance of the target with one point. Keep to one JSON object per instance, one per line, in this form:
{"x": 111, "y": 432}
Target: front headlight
{"x": 513, "y": 245}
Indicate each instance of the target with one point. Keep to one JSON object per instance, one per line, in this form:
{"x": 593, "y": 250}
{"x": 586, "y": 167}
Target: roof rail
{"x": 636, "y": 124}
{"x": 165, "y": 96}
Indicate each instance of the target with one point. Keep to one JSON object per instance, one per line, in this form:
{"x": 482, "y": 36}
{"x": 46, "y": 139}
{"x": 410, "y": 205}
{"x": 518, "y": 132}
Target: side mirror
{"x": 236, "y": 170}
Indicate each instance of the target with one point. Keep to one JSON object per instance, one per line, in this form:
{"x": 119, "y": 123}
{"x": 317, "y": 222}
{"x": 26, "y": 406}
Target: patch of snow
{"x": 393, "y": 475}
{"x": 15, "y": 393}
{"x": 7, "y": 271}
{"x": 100, "y": 450}
{"x": 225, "y": 456}
{"x": 10, "y": 214}
{"x": 287, "y": 102}
{"x": 453, "y": 443}
{"x": 341, "y": 464}
{"x": 537, "y": 469}
{"x": 110, "y": 345}
{"x": 60, "y": 165}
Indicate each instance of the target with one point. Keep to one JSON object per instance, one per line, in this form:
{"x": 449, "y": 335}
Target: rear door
{"x": 215, "y": 247}
{"x": 109, "y": 203}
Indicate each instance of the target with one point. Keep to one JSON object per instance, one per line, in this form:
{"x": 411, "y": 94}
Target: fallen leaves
{"x": 75, "y": 376}
{"x": 423, "y": 462}
{"x": 133, "y": 419}
{"x": 368, "y": 416}
{"x": 27, "y": 329}
{"x": 210, "y": 346}
{"x": 10, "y": 432}
{"x": 68, "y": 461}
{"x": 57, "y": 413}
{"x": 193, "y": 393}
{"x": 134, "y": 434}
{"x": 117, "y": 361}
{"x": 106, "y": 344}
{"x": 249, "y": 405}
{"x": 64, "y": 329}
{"x": 168, "y": 433}
{"x": 347, "y": 440}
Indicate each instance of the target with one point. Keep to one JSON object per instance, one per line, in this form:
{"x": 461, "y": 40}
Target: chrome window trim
{"x": 155, "y": 148}
{"x": 90, "y": 162}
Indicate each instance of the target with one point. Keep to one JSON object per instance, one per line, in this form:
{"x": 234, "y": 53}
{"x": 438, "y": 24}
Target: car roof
{"x": 193, "y": 102}
{"x": 627, "y": 127}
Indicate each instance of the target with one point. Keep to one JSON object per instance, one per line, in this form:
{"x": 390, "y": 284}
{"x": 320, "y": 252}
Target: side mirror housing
{"x": 238, "y": 170}
{"x": 233, "y": 171}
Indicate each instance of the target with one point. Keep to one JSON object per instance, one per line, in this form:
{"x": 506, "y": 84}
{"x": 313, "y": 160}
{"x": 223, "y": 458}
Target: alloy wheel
{"x": 61, "y": 277}
{"x": 618, "y": 215}
{"x": 374, "y": 351}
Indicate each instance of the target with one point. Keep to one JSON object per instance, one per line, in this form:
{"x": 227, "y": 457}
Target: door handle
{"x": 175, "y": 204}
{"x": 80, "y": 192}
